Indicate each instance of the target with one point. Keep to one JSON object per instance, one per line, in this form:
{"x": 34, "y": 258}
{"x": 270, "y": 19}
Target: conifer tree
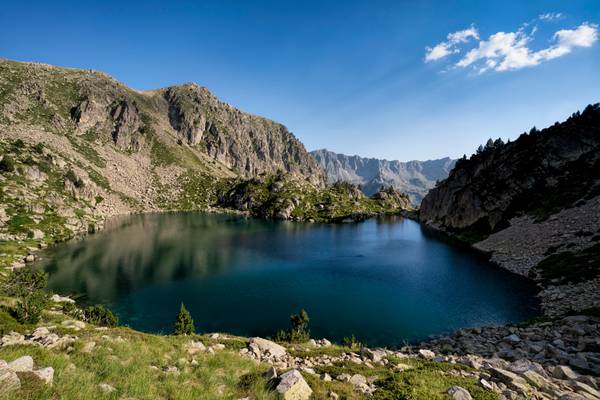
{"x": 184, "y": 324}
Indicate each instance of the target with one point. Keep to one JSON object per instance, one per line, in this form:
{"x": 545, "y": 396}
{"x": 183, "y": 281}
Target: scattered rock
{"x": 106, "y": 388}
{"x": 374, "y": 355}
{"x": 73, "y": 324}
{"x": 88, "y": 347}
{"x": 564, "y": 372}
{"x": 37, "y": 234}
{"x": 8, "y": 380}
{"x": 266, "y": 347}
{"x": 60, "y": 299}
{"x": 459, "y": 393}
{"x": 46, "y": 375}
{"x": 358, "y": 380}
{"x": 427, "y": 354}
{"x": 293, "y": 386}
{"x": 21, "y": 364}
{"x": 194, "y": 347}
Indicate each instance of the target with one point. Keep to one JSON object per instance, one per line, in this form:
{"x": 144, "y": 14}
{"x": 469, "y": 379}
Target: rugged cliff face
{"x": 413, "y": 177}
{"x": 538, "y": 174}
{"x": 534, "y": 205}
{"x": 246, "y": 143}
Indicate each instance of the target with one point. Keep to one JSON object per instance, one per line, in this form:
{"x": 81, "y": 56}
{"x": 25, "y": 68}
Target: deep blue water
{"x": 384, "y": 280}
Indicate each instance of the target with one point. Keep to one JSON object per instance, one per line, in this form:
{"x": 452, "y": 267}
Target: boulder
{"x": 60, "y": 299}
{"x": 21, "y": 364}
{"x": 195, "y": 347}
{"x": 8, "y": 380}
{"x": 292, "y": 386}
{"x": 37, "y": 234}
{"x": 106, "y": 388}
{"x": 73, "y": 324}
{"x": 535, "y": 379}
{"x": 514, "y": 339}
{"x": 374, "y": 355}
{"x": 427, "y": 354}
{"x": 584, "y": 389}
{"x": 88, "y": 347}
{"x": 46, "y": 375}
{"x": 458, "y": 393}
{"x": 12, "y": 339}
{"x": 267, "y": 347}
{"x": 343, "y": 377}
{"x": 358, "y": 380}
{"x": 564, "y": 372}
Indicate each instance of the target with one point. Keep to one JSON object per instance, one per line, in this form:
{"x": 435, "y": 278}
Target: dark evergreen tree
{"x": 184, "y": 324}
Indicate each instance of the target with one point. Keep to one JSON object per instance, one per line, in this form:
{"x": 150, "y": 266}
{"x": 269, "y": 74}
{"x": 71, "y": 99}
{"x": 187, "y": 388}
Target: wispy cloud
{"x": 448, "y": 47}
{"x": 506, "y": 51}
{"x": 551, "y": 16}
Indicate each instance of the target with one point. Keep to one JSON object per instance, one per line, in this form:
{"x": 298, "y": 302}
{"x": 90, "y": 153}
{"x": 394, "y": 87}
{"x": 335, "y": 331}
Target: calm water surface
{"x": 384, "y": 280}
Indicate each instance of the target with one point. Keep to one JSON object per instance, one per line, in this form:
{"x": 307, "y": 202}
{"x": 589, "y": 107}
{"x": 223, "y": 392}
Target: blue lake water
{"x": 385, "y": 280}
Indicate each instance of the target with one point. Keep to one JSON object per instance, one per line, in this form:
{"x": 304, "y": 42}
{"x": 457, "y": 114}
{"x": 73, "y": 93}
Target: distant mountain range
{"x": 415, "y": 178}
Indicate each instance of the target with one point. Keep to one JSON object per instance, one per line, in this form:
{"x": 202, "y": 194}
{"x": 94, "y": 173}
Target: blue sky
{"x": 353, "y": 77}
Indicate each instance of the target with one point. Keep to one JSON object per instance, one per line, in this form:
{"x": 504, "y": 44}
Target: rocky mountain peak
{"x": 412, "y": 177}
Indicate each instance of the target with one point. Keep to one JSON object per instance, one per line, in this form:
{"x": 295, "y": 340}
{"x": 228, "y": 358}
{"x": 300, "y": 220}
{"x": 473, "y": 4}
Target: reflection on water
{"x": 383, "y": 280}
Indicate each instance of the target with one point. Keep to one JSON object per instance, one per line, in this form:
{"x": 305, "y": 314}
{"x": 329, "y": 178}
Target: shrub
{"x": 184, "y": 324}
{"x": 351, "y": 342}
{"x": 39, "y": 148}
{"x": 29, "y": 309}
{"x": 299, "y": 332}
{"x": 18, "y": 144}
{"x": 72, "y": 310}
{"x": 100, "y": 315}
{"x": 70, "y": 175}
{"x": 7, "y": 164}
{"x": 27, "y": 286}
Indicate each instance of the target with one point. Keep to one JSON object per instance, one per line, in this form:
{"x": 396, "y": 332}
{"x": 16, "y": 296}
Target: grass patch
{"x": 133, "y": 366}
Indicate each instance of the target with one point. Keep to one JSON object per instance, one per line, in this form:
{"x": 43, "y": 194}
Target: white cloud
{"x": 438, "y": 51}
{"x": 463, "y": 36}
{"x": 551, "y": 16}
{"x": 448, "y": 47}
{"x": 584, "y": 36}
{"x": 506, "y": 51}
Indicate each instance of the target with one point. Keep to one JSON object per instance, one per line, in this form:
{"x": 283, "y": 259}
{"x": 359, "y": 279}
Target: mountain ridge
{"x": 83, "y": 147}
{"x": 533, "y": 204}
{"x": 412, "y": 177}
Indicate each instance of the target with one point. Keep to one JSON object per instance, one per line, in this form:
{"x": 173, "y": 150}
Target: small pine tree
{"x": 300, "y": 332}
{"x": 184, "y": 324}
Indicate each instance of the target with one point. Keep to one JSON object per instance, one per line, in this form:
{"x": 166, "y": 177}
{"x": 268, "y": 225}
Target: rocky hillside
{"x": 76, "y": 146}
{"x": 415, "y": 178}
{"x": 534, "y": 205}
